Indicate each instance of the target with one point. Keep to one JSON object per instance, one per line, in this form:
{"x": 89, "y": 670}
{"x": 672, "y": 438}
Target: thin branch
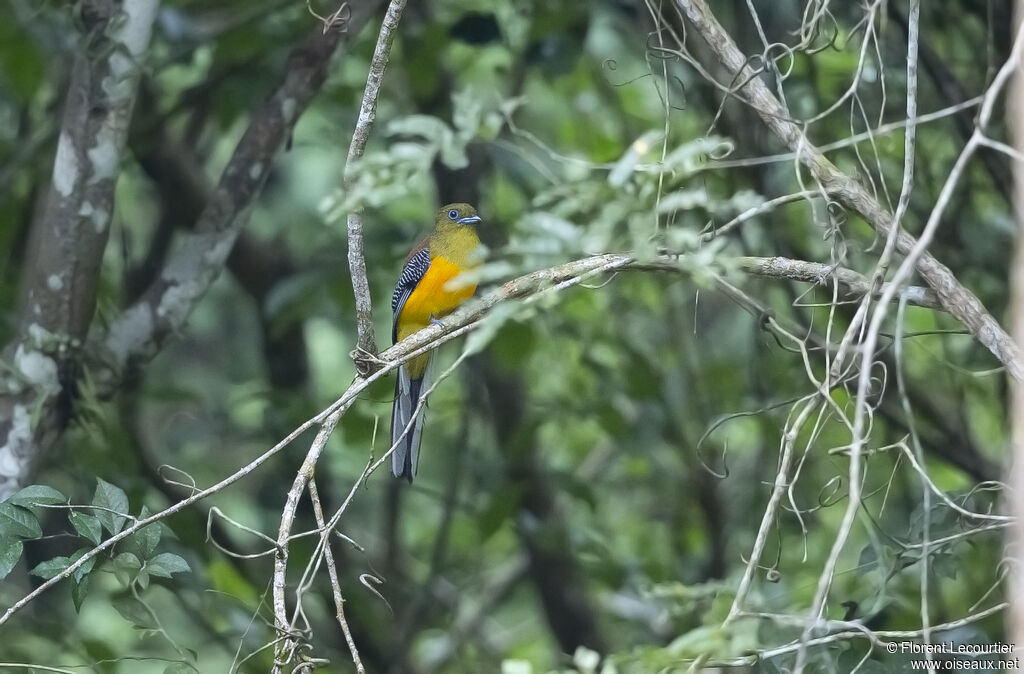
{"x": 283, "y": 647}
{"x": 862, "y": 633}
{"x": 909, "y": 148}
{"x": 366, "y": 342}
{"x": 854, "y": 140}
{"x": 779, "y": 487}
{"x": 332, "y": 571}
{"x": 750, "y": 213}
{"x": 958, "y": 300}
{"x": 855, "y": 283}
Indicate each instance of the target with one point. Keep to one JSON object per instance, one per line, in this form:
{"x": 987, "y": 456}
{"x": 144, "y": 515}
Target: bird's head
{"x": 457, "y": 214}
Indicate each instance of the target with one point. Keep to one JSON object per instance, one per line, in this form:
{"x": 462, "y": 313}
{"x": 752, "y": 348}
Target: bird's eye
{"x": 452, "y": 214}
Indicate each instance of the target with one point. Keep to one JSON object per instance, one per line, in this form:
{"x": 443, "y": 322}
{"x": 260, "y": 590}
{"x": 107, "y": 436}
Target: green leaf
{"x": 51, "y": 567}
{"x": 78, "y": 592}
{"x": 867, "y": 561}
{"x": 144, "y": 541}
{"x": 134, "y": 611}
{"x": 165, "y": 564}
{"x": 82, "y": 571}
{"x": 15, "y": 521}
{"x": 10, "y": 553}
{"x": 87, "y": 526}
{"x": 113, "y": 499}
{"x": 97, "y": 650}
{"x": 126, "y": 567}
{"x": 37, "y": 494}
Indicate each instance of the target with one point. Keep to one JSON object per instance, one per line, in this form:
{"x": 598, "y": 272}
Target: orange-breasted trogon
{"x": 427, "y": 290}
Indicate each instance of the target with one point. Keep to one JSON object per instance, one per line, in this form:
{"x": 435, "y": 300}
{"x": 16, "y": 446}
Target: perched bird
{"x": 426, "y": 292}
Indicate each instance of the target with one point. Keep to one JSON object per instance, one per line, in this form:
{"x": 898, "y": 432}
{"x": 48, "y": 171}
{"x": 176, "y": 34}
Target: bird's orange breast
{"x": 434, "y": 297}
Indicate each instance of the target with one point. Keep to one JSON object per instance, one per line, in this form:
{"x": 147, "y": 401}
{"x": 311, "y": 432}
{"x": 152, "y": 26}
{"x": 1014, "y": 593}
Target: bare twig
{"x": 779, "y": 487}
{"x": 855, "y": 283}
{"x": 755, "y": 211}
{"x": 877, "y": 635}
{"x": 909, "y": 148}
{"x": 367, "y": 343}
{"x": 332, "y": 571}
{"x": 305, "y": 474}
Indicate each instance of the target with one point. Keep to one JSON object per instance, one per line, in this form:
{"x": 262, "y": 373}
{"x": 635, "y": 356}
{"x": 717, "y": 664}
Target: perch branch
{"x": 366, "y": 342}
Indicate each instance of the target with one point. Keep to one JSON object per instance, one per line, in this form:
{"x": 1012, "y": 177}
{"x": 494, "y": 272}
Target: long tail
{"x": 407, "y": 395}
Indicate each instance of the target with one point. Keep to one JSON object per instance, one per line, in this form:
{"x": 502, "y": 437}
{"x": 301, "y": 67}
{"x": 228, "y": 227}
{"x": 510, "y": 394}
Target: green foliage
{"x": 87, "y": 526}
{"x": 36, "y": 495}
{"x": 133, "y": 566}
{"x": 109, "y": 501}
{"x": 165, "y": 564}
{"x": 606, "y": 451}
{"x": 10, "y": 553}
{"x": 15, "y": 521}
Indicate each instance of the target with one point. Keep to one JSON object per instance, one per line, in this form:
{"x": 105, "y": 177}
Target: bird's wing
{"x": 415, "y": 268}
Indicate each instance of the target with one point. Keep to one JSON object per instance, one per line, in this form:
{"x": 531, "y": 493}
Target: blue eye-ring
{"x": 452, "y": 214}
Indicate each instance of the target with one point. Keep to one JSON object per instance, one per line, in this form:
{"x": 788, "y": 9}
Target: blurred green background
{"x": 593, "y": 479}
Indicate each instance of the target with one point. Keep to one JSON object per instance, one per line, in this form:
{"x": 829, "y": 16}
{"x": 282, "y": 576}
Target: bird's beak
{"x": 468, "y": 219}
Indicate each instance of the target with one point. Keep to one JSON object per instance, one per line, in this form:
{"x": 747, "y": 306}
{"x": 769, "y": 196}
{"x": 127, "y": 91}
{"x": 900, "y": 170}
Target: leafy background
{"x": 593, "y": 479}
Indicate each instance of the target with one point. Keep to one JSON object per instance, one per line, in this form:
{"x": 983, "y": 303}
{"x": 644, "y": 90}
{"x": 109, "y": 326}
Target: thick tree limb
{"x": 258, "y": 266}
{"x": 70, "y": 234}
{"x": 366, "y": 342}
{"x": 954, "y": 297}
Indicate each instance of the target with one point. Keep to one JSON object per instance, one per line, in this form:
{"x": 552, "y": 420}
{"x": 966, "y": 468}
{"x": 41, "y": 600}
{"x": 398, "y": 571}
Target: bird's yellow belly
{"x": 433, "y": 297}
